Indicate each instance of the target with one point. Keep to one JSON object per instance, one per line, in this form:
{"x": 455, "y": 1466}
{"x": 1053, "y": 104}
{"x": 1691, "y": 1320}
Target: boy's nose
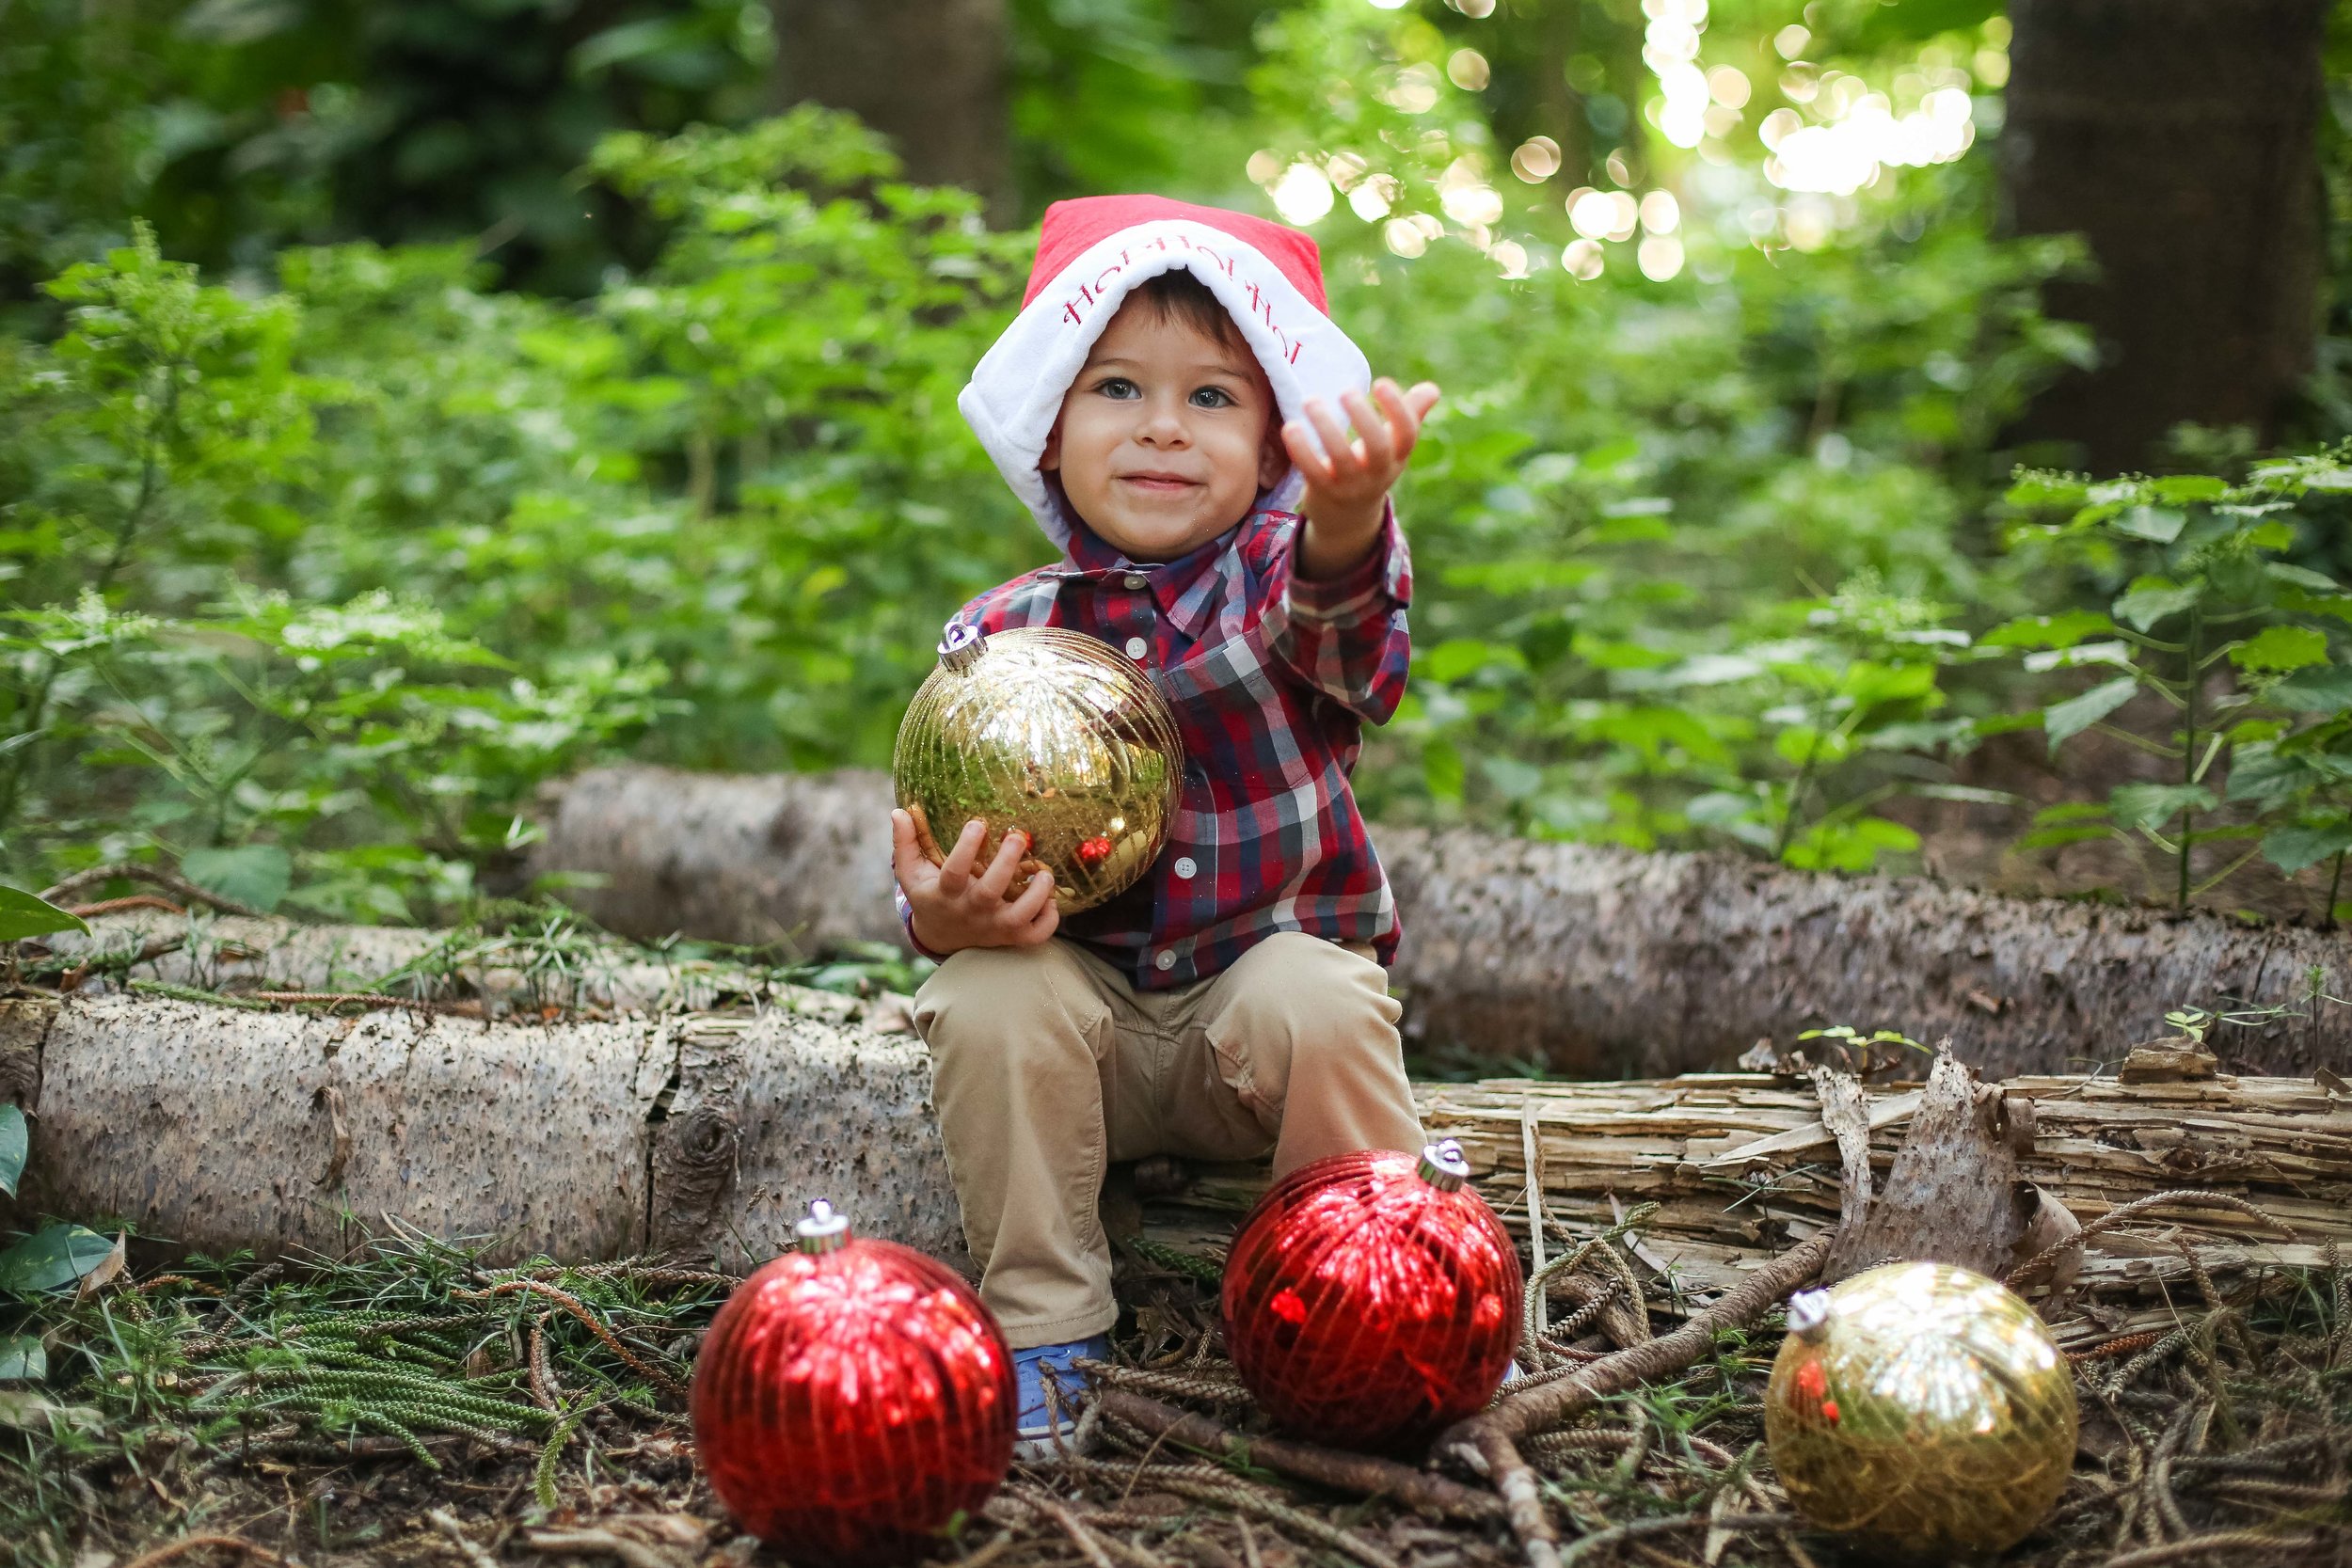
{"x": 1164, "y": 427}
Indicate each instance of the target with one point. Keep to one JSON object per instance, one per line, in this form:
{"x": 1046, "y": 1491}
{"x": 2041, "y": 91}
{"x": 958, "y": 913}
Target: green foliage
{"x": 2225, "y": 614}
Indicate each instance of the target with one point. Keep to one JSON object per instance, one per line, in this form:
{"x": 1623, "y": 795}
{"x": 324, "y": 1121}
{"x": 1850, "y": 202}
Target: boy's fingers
{"x": 998, "y": 880}
{"x": 1337, "y": 448}
{"x": 1371, "y": 427}
{"x": 955, "y": 872}
{"x": 906, "y": 860}
{"x": 1035, "y": 898}
{"x": 1422, "y": 398}
{"x": 1301, "y": 444}
{"x": 1403, "y": 423}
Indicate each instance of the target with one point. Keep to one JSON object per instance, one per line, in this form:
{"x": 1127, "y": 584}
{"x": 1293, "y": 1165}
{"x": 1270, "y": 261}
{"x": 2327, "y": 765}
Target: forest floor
{"x": 411, "y": 1404}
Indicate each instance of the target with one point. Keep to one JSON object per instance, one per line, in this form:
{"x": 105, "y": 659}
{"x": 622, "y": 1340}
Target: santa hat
{"x": 1091, "y": 253}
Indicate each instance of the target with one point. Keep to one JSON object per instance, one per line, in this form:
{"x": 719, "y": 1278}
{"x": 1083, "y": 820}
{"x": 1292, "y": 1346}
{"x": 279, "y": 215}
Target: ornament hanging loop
{"x": 963, "y": 647}
{"x": 823, "y": 1230}
{"x": 1808, "y": 1315}
{"x": 1443, "y": 1166}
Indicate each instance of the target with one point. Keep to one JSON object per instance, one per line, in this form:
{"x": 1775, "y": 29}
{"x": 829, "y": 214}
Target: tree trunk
{"x": 930, "y": 74}
{"x": 2181, "y": 138}
{"x": 1592, "y": 961}
{"x": 218, "y": 1129}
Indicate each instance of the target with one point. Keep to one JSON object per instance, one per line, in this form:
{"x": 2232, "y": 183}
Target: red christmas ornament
{"x": 1371, "y": 1299}
{"x": 851, "y": 1397}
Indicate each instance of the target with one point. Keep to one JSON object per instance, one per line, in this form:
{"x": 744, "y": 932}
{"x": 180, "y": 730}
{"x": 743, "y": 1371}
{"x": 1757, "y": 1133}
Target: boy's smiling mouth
{"x": 1157, "y": 482}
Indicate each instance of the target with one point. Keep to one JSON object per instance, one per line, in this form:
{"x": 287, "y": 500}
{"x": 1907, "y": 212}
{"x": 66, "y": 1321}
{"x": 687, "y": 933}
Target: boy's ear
{"x": 1049, "y": 458}
{"x": 1274, "y": 460}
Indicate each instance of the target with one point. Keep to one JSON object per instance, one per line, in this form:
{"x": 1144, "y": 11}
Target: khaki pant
{"x": 1047, "y": 1064}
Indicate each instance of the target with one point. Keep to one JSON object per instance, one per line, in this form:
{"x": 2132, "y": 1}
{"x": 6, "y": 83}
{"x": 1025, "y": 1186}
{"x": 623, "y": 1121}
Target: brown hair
{"x": 1177, "y": 295}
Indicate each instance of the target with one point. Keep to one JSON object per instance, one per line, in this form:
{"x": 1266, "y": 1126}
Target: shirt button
{"x": 1137, "y": 579}
{"x": 1184, "y": 866}
{"x": 1137, "y": 647}
{"x": 1165, "y": 960}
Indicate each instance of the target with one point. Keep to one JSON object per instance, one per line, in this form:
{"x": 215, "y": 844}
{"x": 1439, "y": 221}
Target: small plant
{"x": 2223, "y": 610}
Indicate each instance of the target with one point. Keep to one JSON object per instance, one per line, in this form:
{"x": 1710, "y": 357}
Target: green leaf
{"x": 2292, "y": 848}
{"x": 2153, "y": 805}
{"x": 254, "y": 874}
{"x": 12, "y": 1147}
{"x": 23, "y": 1359}
{"x": 2301, "y": 576}
{"x": 2047, "y": 631}
{"x": 2158, "y": 524}
{"x": 52, "y": 1259}
{"x": 2281, "y": 648}
{"x": 2063, "y": 721}
{"x": 2188, "y": 487}
{"x": 2323, "y": 690}
{"x": 23, "y": 914}
{"x": 2150, "y": 600}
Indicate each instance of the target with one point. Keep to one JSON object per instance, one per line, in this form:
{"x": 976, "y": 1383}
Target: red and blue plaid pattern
{"x": 1271, "y": 679}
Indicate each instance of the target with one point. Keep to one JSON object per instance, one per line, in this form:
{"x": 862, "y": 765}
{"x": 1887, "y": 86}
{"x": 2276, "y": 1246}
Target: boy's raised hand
{"x": 956, "y": 906}
{"x": 1348, "y": 481}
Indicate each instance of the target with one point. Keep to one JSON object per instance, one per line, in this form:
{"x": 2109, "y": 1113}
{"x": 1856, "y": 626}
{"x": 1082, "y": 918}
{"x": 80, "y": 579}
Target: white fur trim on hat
{"x": 1016, "y": 391}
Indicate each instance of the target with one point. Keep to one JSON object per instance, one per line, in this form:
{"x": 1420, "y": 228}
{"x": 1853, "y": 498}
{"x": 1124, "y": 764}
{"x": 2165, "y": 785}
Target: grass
{"x": 334, "y": 1410}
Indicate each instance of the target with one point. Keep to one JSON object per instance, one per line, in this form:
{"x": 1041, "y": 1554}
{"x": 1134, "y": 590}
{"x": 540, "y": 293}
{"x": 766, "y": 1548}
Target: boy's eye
{"x": 1119, "y": 387}
{"x": 1213, "y": 397}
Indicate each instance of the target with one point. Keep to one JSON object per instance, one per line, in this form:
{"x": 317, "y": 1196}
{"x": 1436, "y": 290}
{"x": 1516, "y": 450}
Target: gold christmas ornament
{"x": 1050, "y": 732}
{"x": 1922, "y": 1409}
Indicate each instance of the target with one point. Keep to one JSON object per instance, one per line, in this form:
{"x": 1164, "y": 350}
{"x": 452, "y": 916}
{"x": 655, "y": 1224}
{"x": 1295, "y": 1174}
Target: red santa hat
{"x": 1091, "y": 253}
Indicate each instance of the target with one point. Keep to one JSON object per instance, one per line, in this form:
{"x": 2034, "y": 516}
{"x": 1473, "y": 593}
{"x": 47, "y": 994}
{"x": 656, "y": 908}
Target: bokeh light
{"x": 1302, "y": 194}
{"x": 1660, "y": 256}
{"x": 1582, "y": 260}
{"x": 1536, "y": 160}
{"x": 1660, "y": 213}
{"x": 1468, "y": 70}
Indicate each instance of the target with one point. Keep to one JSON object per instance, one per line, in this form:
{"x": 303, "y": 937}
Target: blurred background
{"x": 403, "y": 405}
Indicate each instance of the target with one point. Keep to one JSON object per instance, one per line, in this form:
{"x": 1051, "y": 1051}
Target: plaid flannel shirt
{"x": 1271, "y": 679}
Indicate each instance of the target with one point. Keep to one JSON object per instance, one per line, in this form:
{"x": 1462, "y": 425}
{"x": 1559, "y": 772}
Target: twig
{"x": 187, "y": 1543}
{"x": 1181, "y": 1386}
{"x": 170, "y": 881}
{"x": 1618, "y": 1534}
{"x": 367, "y": 999}
{"x": 2198, "y": 1545}
{"x": 442, "y": 1520}
{"x": 571, "y": 1303}
{"x": 125, "y": 905}
{"x": 580, "y": 1541}
{"x": 1070, "y": 1525}
{"x": 1360, "y": 1474}
{"x": 1490, "y": 1439}
{"x": 2188, "y": 1197}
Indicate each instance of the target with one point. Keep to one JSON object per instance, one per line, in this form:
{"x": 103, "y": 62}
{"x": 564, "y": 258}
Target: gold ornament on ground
{"x": 1050, "y": 732}
{"x": 1921, "y": 1408}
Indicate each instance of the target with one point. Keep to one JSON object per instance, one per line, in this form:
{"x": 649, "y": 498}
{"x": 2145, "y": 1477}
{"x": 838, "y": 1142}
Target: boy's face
{"x": 1166, "y": 437}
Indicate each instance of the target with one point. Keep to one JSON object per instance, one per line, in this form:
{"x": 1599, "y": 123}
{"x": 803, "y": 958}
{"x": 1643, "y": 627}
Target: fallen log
{"x": 1592, "y": 961}
{"x": 586, "y": 1137}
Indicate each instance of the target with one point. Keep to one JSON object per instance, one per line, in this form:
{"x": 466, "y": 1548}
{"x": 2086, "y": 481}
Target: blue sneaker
{"x": 1035, "y": 1428}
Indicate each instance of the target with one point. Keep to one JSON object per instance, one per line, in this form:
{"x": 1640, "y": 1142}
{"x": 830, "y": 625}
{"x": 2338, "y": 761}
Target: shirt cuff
{"x": 1374, "y": 586}
{"x": 906, "y": 918}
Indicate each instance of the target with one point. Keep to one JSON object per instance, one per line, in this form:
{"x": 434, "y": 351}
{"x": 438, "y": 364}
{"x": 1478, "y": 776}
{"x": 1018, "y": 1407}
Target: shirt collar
{"x": 1184, "y": 590}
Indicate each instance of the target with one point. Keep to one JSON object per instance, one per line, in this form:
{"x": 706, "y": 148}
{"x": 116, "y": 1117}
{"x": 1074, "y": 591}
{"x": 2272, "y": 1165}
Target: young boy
{"x": 1165, "y": 405}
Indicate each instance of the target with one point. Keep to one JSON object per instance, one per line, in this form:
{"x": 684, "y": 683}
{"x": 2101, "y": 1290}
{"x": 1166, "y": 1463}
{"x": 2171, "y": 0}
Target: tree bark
{"x": 218, "y": 1128}
{"x": 930, "y": 74}
{"x": 2181, "y": 138}
{"x": 1592, "y": 961}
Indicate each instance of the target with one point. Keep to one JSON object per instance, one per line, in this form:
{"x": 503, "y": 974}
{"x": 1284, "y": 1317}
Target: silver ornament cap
{"x": 822, "y": 1230}
{"x": 963, "y": 647}
{"x": 1808, "y": 1315}
{"x": 1443, "y": 1166}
